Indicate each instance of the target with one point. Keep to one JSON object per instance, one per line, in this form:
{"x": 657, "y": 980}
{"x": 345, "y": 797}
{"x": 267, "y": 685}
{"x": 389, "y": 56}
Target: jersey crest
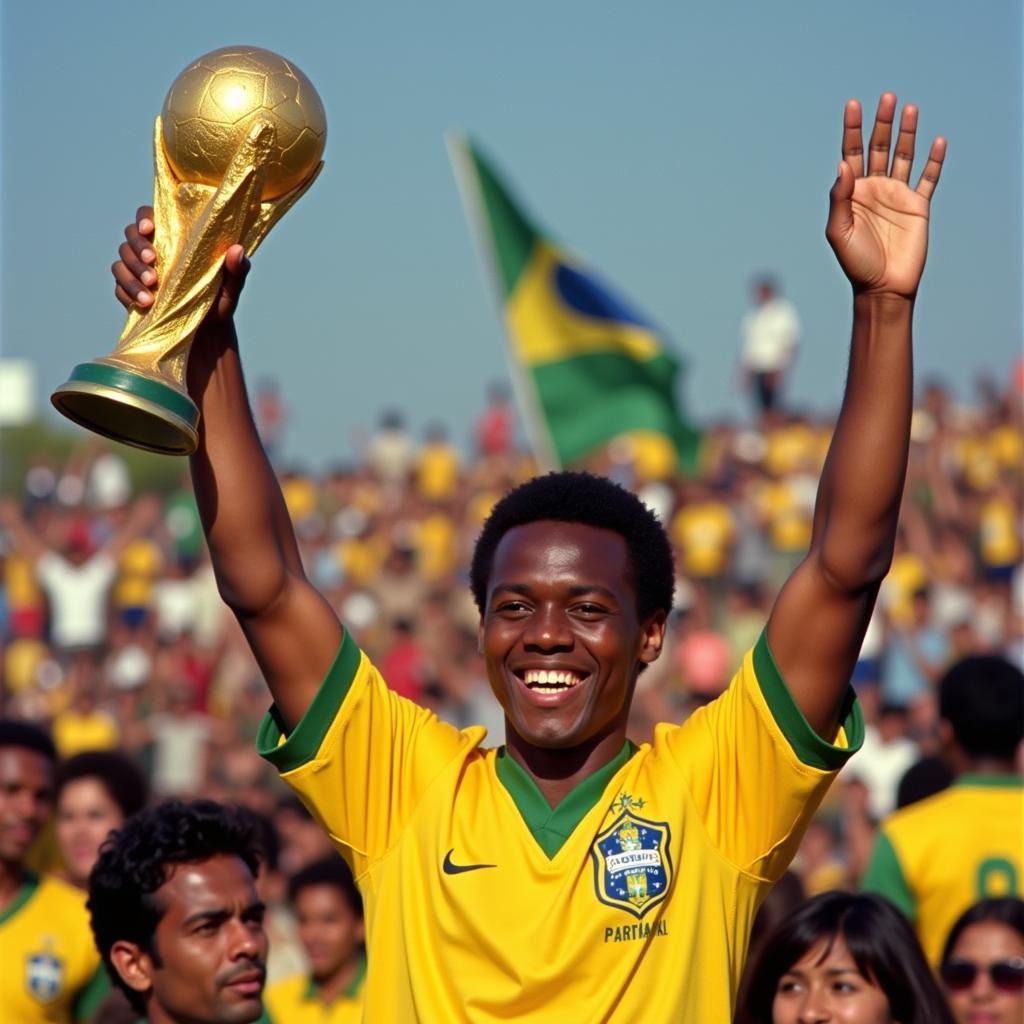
{"x": 632, "y": 866}
{"x": 44, "y": 976}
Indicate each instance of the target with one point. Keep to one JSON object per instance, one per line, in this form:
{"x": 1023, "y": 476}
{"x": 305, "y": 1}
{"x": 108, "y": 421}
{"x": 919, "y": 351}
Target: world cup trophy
{"x": 239, "y": 140}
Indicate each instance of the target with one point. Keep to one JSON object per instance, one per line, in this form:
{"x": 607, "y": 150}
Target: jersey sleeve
{"x": 755, "y": 768}
{"x": 361, "y": 757}
{"x": 884, "y": 876}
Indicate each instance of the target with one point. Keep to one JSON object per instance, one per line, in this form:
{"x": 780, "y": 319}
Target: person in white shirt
{"x": 770, "y": 334}
{"x": 76, "y": 581}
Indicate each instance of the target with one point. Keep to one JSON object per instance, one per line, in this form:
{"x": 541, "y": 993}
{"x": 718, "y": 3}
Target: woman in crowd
{"x": 96, "y": 792}
{"x": 983, "y": 963}
{"x": 847, "y": 958}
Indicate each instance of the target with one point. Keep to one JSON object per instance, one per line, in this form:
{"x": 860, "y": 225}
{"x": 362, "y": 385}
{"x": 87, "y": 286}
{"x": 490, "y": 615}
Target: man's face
{"x": 26, "y": 799}
{"x": 329, "y": 929}
{"x": 210, "y": 946}
{"x": 561, "y": 636}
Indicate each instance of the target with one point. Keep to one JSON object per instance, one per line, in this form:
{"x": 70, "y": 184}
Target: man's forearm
{"x": 251, "y": 539}
{"x": 862, "y": 482}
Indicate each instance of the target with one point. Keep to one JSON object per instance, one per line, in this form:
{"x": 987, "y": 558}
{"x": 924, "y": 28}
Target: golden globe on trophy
{"x": 239, "y": 140}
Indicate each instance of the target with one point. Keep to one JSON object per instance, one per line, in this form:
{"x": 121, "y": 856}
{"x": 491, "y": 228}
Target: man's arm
{"x": 878, "y": 228}
{"x": 292, "y": 630}
{"x": 27, "y": 542}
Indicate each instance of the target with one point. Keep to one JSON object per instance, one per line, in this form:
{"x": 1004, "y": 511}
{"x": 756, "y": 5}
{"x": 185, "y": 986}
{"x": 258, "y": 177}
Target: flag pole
{"x": 483, "y": 243}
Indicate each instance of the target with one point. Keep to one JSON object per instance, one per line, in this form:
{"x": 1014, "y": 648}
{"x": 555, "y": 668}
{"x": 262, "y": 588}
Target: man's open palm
{"x": 878, "y": 224}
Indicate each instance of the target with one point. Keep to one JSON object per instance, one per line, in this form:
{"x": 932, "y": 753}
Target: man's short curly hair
{"x": 568, "y": 497}
{"x": 135, "y": 861}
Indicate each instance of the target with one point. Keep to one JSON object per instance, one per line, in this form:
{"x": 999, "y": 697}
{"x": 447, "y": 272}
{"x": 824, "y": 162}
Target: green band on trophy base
{"x": 129, "y": 407}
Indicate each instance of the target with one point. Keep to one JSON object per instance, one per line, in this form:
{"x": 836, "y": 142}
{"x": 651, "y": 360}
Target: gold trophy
{"x": 239, "y": 140}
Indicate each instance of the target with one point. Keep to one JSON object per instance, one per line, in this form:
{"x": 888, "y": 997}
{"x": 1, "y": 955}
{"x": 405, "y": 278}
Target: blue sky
{"x": 680, "y": 148}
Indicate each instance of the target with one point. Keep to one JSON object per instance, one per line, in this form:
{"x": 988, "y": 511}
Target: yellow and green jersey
{"x": 49, "y": 970}
{"x": 936, "y": 858}
{"x": 297, "y": 1001}
{"x": 630, "y": 901}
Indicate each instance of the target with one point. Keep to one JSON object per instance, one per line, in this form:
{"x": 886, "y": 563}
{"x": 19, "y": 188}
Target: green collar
{"x": 313, "y": 990}
{"x": 997, "y": 779}
{"x": 552, "y": 826}
{"x": 25, "y": 893}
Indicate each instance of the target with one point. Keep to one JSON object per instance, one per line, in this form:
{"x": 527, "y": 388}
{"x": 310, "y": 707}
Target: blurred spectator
{"x": 286, "y": 956}
{"x": 770, "y": 334}
{"x": 495, "y": 428}
{"x": 303, "y": 841}
{"x": 405, "y": 665}
{"x": 77, "y": 580}
{"x": 271, "y": 416}
{"x": 391, "y": 452}
{"x": 84, "y": 725}
{"x": 180, "y": 738}
{"x": 95, "y": 792}
{"x": 927, "y": 777}
{"x": 842, "y": 956}
{"x": 50, "y": 969}
{"x": 936, "y": 857}
{"x": 983, "y": 963}
{"x": 885, "y": 757}
{"x": 330, "y": 914}
{"x": 914, "y": 656}
{"x": 437, "y": 471}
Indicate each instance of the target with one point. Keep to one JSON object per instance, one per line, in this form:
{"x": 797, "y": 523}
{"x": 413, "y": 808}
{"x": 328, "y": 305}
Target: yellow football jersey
{"x": 630, "y": 901}
{"x": 50, "y": 970}
{"x": 296, "y": 1001}
{"x": 936, "y": 858}
{"x": 703, "y": 532}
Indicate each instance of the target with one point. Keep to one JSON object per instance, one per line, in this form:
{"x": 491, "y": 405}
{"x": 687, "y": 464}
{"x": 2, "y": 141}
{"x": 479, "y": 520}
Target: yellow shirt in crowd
{"x": 789, "y": 520}
{"x": 631, "y": 901}
{"x": 50, "y": 970}
{"x": 296, "y": 1001}
{"x": 703, "y": 533}
{"x": 999, "y": 536}
{"x": 436, "y": 546}
{"x": 937, "y": 857}
{"x": 438, "y": 472}
{"x": 140, "y": 565}
{"x": 73, "y": 732}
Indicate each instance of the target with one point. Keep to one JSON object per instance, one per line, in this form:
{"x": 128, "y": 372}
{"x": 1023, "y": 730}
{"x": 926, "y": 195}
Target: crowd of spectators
{"x": 115, "y": 640}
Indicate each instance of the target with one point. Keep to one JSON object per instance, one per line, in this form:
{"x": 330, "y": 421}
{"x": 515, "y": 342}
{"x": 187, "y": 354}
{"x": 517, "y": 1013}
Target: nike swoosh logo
{"x": 456, "y": 869}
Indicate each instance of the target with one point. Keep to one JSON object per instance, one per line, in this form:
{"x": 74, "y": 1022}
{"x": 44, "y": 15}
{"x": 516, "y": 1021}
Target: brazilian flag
{"x": 588, "y": 366}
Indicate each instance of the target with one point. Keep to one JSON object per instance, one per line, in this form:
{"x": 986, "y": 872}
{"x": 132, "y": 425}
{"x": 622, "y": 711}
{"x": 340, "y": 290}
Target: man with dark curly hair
{"x": 176, "y": 917}
{"x": 569, "y": 875}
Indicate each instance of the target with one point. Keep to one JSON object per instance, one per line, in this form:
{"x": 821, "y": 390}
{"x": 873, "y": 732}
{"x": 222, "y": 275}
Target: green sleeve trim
{"x": 885, "y": 877}
{"x": 806, "y": 743}
{"x": 306, "y": 738}
{"x": 88, "y": 1000}
{"x": 25, "y": 893}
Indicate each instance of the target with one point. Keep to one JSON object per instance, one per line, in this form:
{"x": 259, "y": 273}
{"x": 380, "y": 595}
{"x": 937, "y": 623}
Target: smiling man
{"x": 569, "y": 875}
{"x": 49, "y": 970}
{"x": 176, "y": 917}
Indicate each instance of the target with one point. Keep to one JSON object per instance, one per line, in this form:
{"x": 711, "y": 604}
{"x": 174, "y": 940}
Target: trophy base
{"x": 129, "y": 407}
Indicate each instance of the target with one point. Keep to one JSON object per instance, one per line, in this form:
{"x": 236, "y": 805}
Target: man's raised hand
{"x": 877, "y": 223}
{"x": 135, "y": 272}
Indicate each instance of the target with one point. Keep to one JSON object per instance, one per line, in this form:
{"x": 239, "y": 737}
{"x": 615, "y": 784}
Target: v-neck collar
{"x": 551, "y": 826}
